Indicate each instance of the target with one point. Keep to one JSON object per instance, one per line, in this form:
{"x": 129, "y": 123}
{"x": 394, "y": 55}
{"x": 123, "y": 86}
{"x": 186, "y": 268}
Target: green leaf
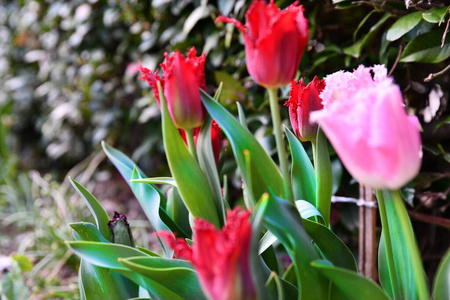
{"x": 192, "y": 183}
{"x": 324, "y": 176}
{"x": 302, "y": 172}
{"x": 149, "y": 199}
{"x": 97, "y": 210}
{"x": 307, "y": 210}
{"x": 284, "y": 221}
{"x": 156, "y": 180}
{"x": 436, "y": 14}
{"x": 101, "y": 283}
{"x": 356, "y": 48}
{"x": 426, "y": 48}
{"x": 441, "y": 290}
{"x": 24, "y": 262}
{"x": 360, "y": 287}
{"x": 207, "y": 163}
{"x": 330, "y": 245}
{"x": 407, "y": 273}
{"x": 103, "y": 254}
{"x": 403, "y": 25}
{"x": 241, "y": 114}
{"x": 171, "y": 278}
{"x": 233, "y": 90}
{"x": 177, "y": 211}
{"x": 87, "y": 232}
{"x": 265, "y": 175}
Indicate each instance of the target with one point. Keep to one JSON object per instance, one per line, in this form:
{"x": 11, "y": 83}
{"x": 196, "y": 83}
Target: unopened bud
{"x": 120, "y": 230}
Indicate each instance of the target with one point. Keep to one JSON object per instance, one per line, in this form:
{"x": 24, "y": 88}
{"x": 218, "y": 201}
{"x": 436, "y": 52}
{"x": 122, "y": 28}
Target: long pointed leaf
{"x": 441, "y": 288}
{"x": 97, "y": 210}
{"x": 173, "y": 275}
{"x": 351, "y": 284}
{"x": 284, "y": 221}
{"x": 192, "y": 183}
{"x": 302, "y": 171}
{"x": 265, "y": 175}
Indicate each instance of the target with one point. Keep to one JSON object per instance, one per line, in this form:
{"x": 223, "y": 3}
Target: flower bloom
{"x": 182, "y": 79}
{"x": 304, "y": 99}
{"x": 365, "y": 120}
{"x": 274, "y": 41}
{"x": 220, "y": 257}
{"x": 216, "y": 138}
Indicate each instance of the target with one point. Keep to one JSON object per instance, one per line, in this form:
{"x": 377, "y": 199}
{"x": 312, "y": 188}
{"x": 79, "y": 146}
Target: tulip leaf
{"x": 241, "y": 114}
{"x": 284, "y": 221}
{"x": 156, "y": 180}
{"x": 307, "y": 210}
{"x": 97, "y": 210}
{"x": 207, "y": 162}
{"x": 150, "y": 198}
{"x": 87, "y": 232}
{"x": 441, "y": 290}
{"x": 330, "y": 245}
{"x": 101, "y": 283}
{"x": 265, "y": 175}
{"x": 361, "y": 287}
{"x": 406, "y": 277}
{"x": 103, "y": 254}
{"x": 170, "y": 278}
{"x": 302, "y": 171}
{"x": 178, "y": 211}
{"x": 280, "y": 288}
{"x": 426, "y": 48}
{"x": 324, "y": 176}
{"x": 436, "y": 14}
{"x": 192, "y": 183}
{"x": 403, "y": 25}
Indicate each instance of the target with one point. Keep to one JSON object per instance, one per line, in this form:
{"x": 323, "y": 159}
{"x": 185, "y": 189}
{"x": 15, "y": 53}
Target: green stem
{"x": 405, "y": 223}
{"x": 191, "y": 143}
{"x": 388, "y": 245}
{"x": 281, "y": 148}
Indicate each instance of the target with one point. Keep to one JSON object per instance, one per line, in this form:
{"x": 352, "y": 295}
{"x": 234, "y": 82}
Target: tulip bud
{"x": 120, "y": 230}
{"x": 182, "y": 79}
{"x": 365, "y": 120}
{"x": 274, "y": 41}
{"x": 304, "y": 99}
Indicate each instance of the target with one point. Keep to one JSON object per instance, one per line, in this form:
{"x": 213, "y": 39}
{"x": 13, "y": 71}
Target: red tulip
{"x": 216, "y": 138}
{"x": 274, "y": 41}
{"x": 220, "y": 257}
{"x": 182, "y": 79}
{"x": 304, "y": 99}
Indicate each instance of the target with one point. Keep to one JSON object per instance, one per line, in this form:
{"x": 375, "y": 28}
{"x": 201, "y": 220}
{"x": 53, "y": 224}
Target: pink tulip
{"x": 365, "y": 120}
{"x": 182, "y": 79}
{"x": 220, "y": 257}
{"x": 274, "y": 41}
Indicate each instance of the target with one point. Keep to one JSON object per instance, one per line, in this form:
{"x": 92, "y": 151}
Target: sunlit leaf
{"x": 403, "y": 25}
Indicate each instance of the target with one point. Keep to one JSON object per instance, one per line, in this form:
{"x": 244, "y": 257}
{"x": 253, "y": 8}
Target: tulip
{"x": 216, "y": 138}
{"x": 182, "y": 79}
{"x": 220, "y": 257}
{"x": 304, "y": 99}
{"x": 120, "y": 230}
{"x": 365, "y": 120}
{"x": 274, "y": 41}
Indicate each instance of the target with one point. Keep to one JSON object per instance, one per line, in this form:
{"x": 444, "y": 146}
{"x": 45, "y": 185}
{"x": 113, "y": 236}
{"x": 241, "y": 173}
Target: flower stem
{"x": 191, "y": 143}
{"x": 388, "y": 245}
{"x": 281, "y": 148}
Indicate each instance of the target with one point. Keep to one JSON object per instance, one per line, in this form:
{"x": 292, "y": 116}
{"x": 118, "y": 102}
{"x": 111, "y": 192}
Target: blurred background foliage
{"x": 69, "y": 79}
